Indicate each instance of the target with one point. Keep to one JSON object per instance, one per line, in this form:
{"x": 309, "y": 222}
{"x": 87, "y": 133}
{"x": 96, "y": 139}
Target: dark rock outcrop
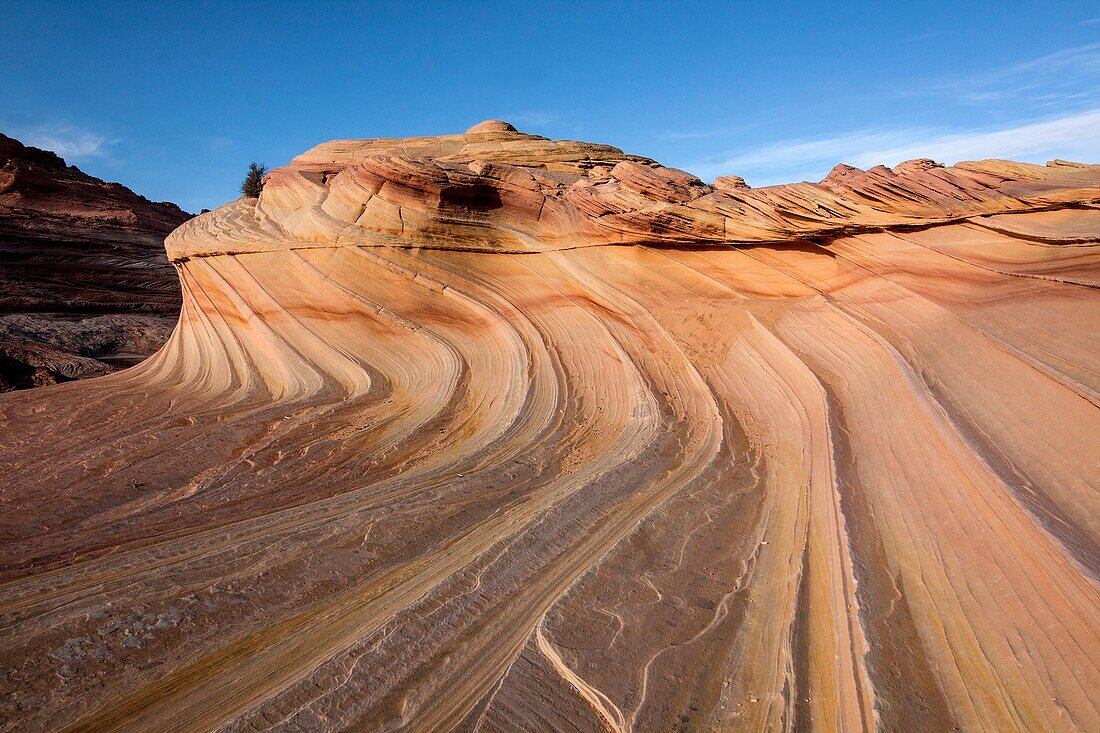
{"x": 85, "y": 286}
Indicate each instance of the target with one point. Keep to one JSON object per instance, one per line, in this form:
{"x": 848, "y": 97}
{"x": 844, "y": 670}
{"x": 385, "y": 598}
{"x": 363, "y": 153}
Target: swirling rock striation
{"x": 495, "y": 189}
{"x": 494, "y": 432}
{"x": 84, "y": 282}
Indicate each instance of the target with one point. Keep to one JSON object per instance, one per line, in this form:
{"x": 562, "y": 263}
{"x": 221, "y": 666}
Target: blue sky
{"x": 174, "y": 100}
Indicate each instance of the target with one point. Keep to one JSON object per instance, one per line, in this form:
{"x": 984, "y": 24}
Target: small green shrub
{"x": 254, "y": 182}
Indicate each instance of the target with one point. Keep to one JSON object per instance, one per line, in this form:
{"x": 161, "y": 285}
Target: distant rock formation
{"x": 84, "y": 283}
{"x": 493, "y": 189}
{"x": 490, "y": 432}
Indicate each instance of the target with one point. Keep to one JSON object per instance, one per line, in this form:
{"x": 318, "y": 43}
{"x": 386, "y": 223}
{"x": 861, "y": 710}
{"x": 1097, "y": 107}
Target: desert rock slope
{"x": 84, "y": 283}
{"x": 490, "y": 432}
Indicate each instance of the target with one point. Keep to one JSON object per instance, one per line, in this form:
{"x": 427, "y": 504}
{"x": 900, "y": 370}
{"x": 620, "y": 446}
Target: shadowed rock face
{"x": 494, "y": 432}
{"x": 84, "y": 282}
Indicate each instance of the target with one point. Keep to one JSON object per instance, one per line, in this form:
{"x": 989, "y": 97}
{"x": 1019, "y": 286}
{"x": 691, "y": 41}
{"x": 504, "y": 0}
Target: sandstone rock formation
{"x": 493, "y": 432}
{"x": 84, "y": 283}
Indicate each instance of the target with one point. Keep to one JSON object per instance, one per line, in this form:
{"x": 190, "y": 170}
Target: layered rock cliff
{"x": 494, "y": 432}
{"x": 84, "y": 283}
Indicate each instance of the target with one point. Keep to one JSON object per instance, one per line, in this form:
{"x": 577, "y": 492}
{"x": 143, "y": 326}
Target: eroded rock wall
{"x": 85, "y": 286}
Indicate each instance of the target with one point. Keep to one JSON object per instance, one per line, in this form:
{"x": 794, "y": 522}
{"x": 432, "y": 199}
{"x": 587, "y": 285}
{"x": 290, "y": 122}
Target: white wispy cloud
{"x": 1074, "y": 137}
{"x": 70, "y": 142}
{"x": 1051, "y": 77}
{"x": 1060, "y": 91}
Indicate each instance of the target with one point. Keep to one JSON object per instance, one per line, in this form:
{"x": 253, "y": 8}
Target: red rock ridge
{"x": 85, "y": 284}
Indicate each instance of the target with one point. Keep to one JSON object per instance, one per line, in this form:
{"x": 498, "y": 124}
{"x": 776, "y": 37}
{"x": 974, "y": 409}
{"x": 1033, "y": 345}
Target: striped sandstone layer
{"x": 493, "y": 432}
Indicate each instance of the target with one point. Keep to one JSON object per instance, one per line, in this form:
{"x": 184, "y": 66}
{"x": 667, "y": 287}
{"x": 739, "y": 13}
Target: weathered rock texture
{"x": 492, "y": 432}
{"x": 84, "y": 282}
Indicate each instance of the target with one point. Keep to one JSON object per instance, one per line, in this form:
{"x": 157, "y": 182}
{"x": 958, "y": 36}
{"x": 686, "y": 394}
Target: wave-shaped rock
{"x": 84, "y": 281}
{"x": 494, "y": 432}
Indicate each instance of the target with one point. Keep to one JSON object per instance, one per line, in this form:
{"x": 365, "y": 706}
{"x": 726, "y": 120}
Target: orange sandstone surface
{"x": 490, "y": 432}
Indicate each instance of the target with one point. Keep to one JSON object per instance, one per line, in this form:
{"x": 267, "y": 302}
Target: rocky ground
{"x": 85, "y": 286}
{"x": 493, "y": 432}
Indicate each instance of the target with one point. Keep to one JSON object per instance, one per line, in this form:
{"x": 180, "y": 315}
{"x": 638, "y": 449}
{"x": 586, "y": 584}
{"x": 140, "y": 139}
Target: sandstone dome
{"x": 491, "y": 126}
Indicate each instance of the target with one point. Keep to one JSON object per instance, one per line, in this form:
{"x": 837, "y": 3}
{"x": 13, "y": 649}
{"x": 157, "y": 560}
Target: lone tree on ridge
{"x": 254, "y": 182}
